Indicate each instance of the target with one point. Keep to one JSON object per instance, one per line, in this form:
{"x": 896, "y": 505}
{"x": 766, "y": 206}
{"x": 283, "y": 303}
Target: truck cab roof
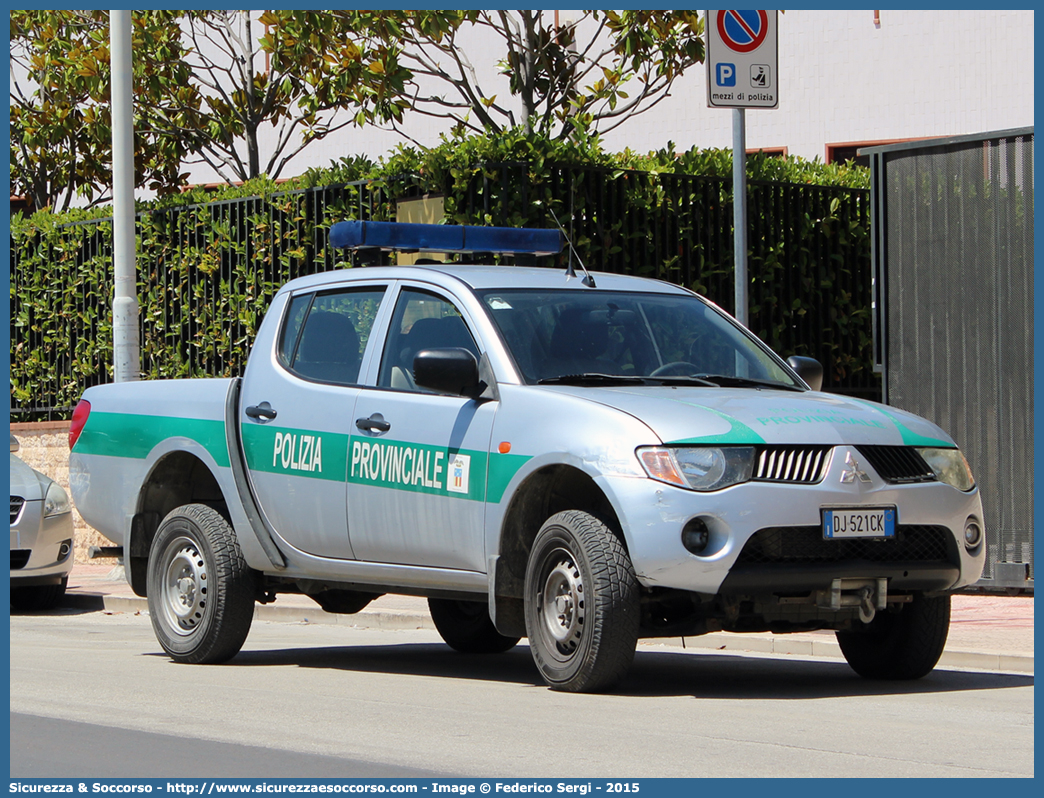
{"x": 483, "y": 277}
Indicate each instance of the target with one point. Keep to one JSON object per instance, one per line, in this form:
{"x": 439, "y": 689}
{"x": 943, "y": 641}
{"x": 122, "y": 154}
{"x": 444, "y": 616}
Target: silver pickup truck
{"x": 579, "y": 460}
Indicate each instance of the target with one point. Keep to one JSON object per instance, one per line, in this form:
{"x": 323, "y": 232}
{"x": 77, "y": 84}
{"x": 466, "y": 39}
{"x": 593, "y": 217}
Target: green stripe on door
{"x": 295, "y": 452}
{"x": 417, "y": 468}
{"x": 455, "y": 473}
{"x": 420, "y": 468}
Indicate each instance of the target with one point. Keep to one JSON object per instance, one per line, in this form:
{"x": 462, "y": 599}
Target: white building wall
{"x": 843, "y": 78}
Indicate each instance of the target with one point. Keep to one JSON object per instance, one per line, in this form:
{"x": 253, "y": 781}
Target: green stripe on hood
{"x": 910, "y": 438}
{"x": 739, "y": 433}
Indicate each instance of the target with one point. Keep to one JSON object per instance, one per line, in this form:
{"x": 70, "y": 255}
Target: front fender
{"x": 535, "y": 429}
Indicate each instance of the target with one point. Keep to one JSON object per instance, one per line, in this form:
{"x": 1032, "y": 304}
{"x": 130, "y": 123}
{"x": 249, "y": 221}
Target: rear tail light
{"x": 79, "y": 418}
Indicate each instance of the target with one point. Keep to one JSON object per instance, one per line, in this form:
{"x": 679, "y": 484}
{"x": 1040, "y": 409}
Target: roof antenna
{"x": 588, "y": 279}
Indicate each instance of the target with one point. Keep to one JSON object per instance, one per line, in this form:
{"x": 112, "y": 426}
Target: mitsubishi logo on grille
{"x": 851, "y": 472}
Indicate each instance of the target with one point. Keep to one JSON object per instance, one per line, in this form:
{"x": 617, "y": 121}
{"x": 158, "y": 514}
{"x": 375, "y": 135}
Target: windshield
{"x": 604, "y": 337}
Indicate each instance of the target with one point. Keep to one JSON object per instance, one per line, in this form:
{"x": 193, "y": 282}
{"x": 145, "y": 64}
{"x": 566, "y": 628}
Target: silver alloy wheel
{"x": 562, "y": 603}
{"x": 184, "y": 596}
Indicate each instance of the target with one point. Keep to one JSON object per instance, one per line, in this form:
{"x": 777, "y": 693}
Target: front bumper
{"x": 36, "y": 547}
{"x": 653, "y": 514}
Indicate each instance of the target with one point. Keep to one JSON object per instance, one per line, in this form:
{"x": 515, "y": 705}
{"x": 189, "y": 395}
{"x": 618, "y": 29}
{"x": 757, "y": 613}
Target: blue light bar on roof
{"x": 445, "y": 238}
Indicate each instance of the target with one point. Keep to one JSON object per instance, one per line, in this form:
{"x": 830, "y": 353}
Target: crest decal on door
{"x": 457, "y": 478}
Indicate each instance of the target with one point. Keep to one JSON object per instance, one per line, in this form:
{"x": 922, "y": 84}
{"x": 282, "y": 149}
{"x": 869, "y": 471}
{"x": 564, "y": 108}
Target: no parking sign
{"x": 742, "y": 59}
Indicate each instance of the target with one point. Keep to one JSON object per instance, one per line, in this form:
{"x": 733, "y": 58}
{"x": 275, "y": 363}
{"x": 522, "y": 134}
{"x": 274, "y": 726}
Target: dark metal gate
{"x": 953, "y": 314}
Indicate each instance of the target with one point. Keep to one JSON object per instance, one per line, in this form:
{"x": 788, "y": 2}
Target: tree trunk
{"x": 528, "y": 69}
{"x": 250, "y": 112}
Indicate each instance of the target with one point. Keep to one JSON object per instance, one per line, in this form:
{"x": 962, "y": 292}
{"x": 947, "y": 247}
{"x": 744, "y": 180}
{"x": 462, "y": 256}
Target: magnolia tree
{"x": 287, "y": 73}
{"x": 591, "y": 73}
{"x": 245, "y": 92}
{"x": 207, "y": 86}
{"x": 61, "y": 122}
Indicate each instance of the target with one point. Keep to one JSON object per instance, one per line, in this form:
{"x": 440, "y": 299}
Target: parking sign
{"x": 742, "y": 59}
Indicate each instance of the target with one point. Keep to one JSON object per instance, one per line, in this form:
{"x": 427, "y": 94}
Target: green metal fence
{"x": 207, "y": 272}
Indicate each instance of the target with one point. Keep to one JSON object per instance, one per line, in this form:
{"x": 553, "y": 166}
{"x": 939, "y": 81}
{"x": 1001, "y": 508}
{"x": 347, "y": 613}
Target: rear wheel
{"x": 466, "y": 627}
{"x": 38, "y": 597}
{"x": 200, "y": 589}
{"x": 902, "y": 644}
{"x": 581, "y": 604}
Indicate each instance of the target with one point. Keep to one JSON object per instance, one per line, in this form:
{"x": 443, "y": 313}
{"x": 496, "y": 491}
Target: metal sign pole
{"x": 126, "y": 352}
{"x": 742, "y": 60}
{"x": 739, "y": 210}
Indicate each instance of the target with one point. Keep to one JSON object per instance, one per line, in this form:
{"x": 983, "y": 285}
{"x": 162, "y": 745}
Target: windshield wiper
{"x": 680, "y": 379}
{"x": 591, "y": 378}
{"x": 595, "y": 378}
{"x": 732, "y": 380}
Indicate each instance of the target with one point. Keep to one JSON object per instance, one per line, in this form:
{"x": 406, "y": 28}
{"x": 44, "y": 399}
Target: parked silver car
{"x": 41, "y": 537}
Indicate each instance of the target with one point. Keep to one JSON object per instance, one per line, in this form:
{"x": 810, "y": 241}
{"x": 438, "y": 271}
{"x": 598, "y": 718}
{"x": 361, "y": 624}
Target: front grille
{"x": 806, "y": 544}
{"x": 898, "y": 464}
{"x": 20, "y": 558}
{"x": 16, "y": 508}
{"x": 801, "y": 464}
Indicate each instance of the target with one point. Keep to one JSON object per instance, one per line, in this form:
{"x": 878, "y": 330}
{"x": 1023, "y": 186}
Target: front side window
{"x": 325, "y": 334}
{"x": 421, "y": 321}
{"x": 562, "y": 335}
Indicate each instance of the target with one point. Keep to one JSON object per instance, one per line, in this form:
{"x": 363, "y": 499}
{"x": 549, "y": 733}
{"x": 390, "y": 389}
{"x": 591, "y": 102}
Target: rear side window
{"x": 325, "y": 334}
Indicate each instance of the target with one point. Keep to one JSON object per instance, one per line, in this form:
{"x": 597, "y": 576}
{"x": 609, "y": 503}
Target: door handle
{"x": 374, "y": 423}
{"x": 261, "y": 411}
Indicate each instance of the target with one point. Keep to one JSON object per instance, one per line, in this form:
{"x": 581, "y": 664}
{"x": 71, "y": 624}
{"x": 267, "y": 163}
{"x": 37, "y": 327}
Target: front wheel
{"x": 900, "y": 644}
{"x": 200, "y": 589}
{"x": 581, "y": 604}
{"x": 467, "y": 627}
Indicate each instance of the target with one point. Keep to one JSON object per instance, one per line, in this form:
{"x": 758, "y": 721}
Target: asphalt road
{"x": 321, "y": 700}
{"x": 90, "y": 750}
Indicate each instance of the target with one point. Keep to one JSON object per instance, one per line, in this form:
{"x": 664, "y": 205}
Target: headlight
{"x": 56, "y": 502}
{"x": 700, "y": 468}
{"x": 950, "y": 467}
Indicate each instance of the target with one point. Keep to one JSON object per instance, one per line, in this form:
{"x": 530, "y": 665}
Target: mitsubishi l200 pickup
{"x": 580, "y": 460}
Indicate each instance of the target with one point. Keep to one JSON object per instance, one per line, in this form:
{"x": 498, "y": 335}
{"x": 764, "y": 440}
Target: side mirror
{"x": 14, "y": 443}
{"x": 809, "y": 369}
{"x": 452, "y": 371}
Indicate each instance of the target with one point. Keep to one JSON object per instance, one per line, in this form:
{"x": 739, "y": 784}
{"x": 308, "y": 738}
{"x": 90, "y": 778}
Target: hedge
{"x": 209, "y": 263}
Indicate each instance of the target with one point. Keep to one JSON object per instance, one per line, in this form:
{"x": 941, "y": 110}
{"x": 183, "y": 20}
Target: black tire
{"x": 466, "y": 627}
{"x": 903, "y": 644}
{"x": 582, "y": 604}
{"x": 200, "y": 589}
{"x": 38, "y": 597}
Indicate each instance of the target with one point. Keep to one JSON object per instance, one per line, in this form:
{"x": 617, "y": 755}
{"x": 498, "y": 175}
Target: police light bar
{"x": 445, "y": 238}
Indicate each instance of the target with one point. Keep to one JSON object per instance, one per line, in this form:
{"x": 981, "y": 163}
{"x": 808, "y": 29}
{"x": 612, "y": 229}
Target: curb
{"x": 791, "y": 645}
{"x": 375, "y": 619}
{"x": 730, "y": 643}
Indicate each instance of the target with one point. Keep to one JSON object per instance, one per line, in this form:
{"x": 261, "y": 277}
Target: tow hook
{"x": 869, "y": 595}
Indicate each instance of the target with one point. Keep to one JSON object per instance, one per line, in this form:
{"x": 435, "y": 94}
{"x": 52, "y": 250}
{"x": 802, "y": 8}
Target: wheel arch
{"x": 175, "y": 479}
{"x": 548, "y": 490}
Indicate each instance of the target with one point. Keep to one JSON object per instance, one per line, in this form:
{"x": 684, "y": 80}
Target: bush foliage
{"x": 210, "y": 261}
